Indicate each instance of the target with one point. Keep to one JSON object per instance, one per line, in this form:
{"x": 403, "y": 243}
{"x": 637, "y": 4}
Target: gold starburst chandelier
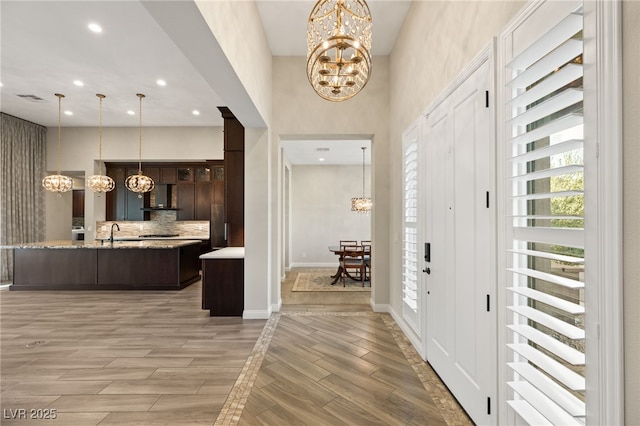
{"x": 139, "y": 183}
{"x": 100, "y": 183}
{"x": 58, "y": 183}
{"x": 338, "y": 46}
{"x": 361, "y": 204}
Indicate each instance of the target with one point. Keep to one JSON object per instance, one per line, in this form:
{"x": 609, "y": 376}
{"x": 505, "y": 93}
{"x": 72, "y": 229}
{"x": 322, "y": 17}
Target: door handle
{"x": 427, "y": 270}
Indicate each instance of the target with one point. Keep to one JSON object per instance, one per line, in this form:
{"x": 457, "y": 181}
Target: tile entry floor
{"x": 156, "y": 358}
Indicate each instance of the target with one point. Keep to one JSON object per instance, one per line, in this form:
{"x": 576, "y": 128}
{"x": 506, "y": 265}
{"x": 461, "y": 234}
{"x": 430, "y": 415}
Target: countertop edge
{"x": 105, "y": 245}
{"x": 225, "y": 253}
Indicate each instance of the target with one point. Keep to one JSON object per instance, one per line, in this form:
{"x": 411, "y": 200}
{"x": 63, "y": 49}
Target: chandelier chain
{"x": 59, "y": 153}
{"x": 140, "y": 95}
{"x": 363, "y": 148}
{"x": 100, "y": 134}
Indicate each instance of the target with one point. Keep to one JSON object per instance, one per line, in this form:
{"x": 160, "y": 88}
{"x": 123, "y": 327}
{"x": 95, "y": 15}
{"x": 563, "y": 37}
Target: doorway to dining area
{"x": 321, "y": 176}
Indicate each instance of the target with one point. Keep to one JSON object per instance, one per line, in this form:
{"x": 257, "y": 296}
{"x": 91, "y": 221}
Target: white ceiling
{"x": 285, "y": 23}
{"x": 46, "y": 45}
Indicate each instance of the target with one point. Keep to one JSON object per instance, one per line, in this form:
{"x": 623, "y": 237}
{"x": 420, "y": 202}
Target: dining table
{"x": 337, "y": 250}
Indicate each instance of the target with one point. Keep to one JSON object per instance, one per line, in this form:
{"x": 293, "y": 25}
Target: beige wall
{"x": 238, "y": 29}
{"x": 631, "y": 176}
{"x": 298, "y": 110}
{"x": 58, "y": 216}
{"x": 321, "y": 211}
{"x": 437, "y": 41}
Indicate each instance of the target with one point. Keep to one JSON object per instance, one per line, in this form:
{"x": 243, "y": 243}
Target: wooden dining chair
{"x": 352, "y": 259}
{"x": 366, "y": 246}
{"x": 343, "y": 244}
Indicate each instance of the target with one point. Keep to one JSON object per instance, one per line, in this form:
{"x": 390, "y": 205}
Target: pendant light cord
{"x": 140, "y": 95}
{"x": 60, "y": 96}
{"x": 363, "y": 148}
{"x": 100, "y": 134}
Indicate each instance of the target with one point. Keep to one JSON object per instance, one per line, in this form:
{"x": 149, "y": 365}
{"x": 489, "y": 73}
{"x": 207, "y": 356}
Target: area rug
{"x": 321, "y": 281}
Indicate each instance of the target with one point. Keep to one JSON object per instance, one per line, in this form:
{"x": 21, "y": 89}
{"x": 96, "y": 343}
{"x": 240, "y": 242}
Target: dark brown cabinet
{"x": 106, "y": 268}
{"x": 185, "y": 174}
{"x": 195, "y": 201}
{"x": 203, "y": 200}
{"x": 186, "y": 201}
{"x": 161, "y": 175}
{"x": 78, "y": 203}
{"x": 223, "y": 286}
{"x": 234, "y": 178}
{"x": 153, "y": 173}
{"x": 168, "y": 175}
{"x": 122, "y": 204}
{"x": 194, "y": 190}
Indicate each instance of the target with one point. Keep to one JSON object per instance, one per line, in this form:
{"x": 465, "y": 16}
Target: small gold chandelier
{"x": 338, "y": 46}
{"x": 58, "y": 183}
{"x": 100, "y": 183}
{"x": 361, "y": 204}
{"x": 139, "y": 183}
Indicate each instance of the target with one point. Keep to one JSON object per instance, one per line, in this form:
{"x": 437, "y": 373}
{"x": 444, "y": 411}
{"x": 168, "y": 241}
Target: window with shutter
{"x": 410, "y": 230}
{"x": 545, "y": 217}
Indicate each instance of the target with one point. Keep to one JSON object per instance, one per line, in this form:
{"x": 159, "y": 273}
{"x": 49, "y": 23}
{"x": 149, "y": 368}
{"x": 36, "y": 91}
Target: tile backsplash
{"x": 161, "y": 224}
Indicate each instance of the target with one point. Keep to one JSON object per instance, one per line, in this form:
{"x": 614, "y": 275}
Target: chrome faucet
{"x": 111, "y": 235}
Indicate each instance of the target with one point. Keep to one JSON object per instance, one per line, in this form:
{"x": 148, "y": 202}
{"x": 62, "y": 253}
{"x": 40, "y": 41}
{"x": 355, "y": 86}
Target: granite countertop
{"x": 105, "y": 244}
{"x": 134, "y": 238}
{"x": 225, "y": 253}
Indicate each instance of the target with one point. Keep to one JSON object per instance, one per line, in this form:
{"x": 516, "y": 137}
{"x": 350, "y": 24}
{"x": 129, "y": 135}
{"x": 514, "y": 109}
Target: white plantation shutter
{"x": 410, "y": 231}
{"x": 545, "y": 214}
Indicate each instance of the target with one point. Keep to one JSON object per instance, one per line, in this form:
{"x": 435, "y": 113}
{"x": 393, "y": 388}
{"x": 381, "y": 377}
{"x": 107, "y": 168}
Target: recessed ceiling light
{"x": 68, "y": 113}
{"x": 195, "y": 112}
{"x": 321, "y": 159}
{"x": 131, "y": 112}
{"x": 78, "y": 83}
{"x": 95, "y": 27}
{"x": 161, "y": 83}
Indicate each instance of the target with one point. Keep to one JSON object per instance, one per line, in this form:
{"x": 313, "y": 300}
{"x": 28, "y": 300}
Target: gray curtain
{"x": 22, "y": 197}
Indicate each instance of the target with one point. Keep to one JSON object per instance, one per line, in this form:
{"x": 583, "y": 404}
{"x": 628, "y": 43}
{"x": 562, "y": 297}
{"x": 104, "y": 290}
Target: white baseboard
{"x": 259, "y": 314}
{"x": 383, "y": 307}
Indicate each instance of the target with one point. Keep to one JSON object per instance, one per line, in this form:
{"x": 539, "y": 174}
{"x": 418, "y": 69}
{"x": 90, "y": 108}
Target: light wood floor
{"x": 156, "y": 358}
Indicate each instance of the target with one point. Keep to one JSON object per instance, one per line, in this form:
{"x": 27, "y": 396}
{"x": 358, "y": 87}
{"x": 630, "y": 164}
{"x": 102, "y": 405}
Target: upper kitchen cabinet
{"x": 195, "y": 191}
{"x": 199, "y": 192}
{"x": 161, "y": 175}
{"x": 122, "y": 204}
{"x": 153, "y": 173}
{"x": 168, "y": 175}
{"x": 234, "y": 178}
{"x": 217, "y": 180}
{"x": 185, "y": 174}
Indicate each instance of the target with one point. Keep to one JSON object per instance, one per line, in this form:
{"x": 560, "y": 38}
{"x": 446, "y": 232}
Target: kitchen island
{"x": 104, "y": 265}
{"x": 223, "y": 281}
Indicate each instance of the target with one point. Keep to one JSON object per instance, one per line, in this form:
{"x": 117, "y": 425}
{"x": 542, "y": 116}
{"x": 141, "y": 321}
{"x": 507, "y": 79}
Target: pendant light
{"x": 100, "y": 183}
{"x": 338, "y": 48}
{"x": 361, "y": 204}
{"x": 58, "y": 183}
{"x": 139, "y": 183}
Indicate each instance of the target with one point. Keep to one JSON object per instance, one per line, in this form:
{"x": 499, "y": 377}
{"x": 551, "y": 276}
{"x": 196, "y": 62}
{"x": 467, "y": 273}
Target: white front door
{"x": 458, "y": 214}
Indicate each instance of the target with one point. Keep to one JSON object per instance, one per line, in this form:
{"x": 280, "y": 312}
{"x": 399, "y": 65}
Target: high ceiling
{"x": 46, "y": 45}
